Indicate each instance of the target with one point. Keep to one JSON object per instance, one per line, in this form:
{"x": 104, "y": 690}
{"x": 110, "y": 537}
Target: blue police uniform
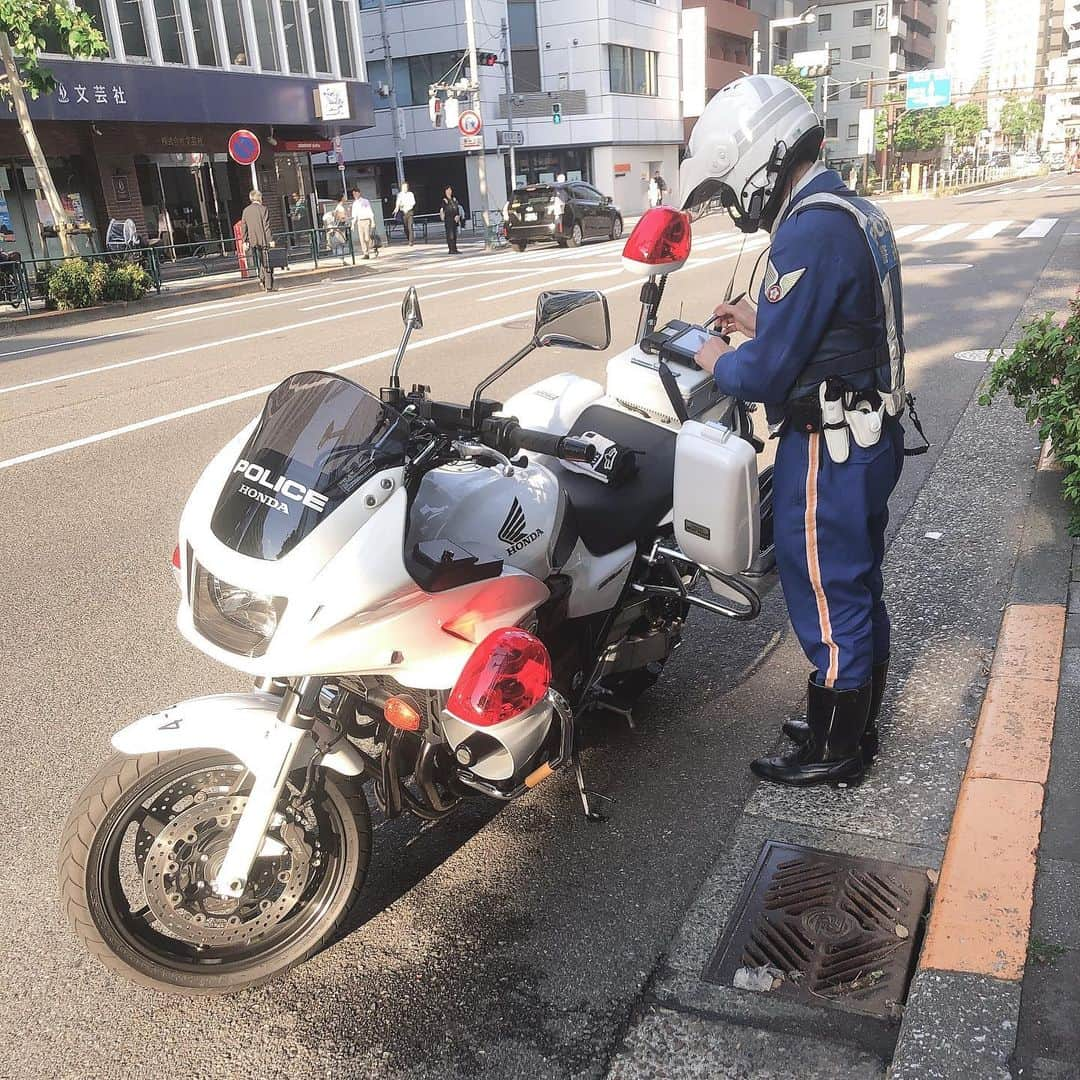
{"x": 820, "y": 314}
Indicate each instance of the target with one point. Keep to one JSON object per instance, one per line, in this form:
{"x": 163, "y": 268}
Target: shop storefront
{"x": 149, "y": 143}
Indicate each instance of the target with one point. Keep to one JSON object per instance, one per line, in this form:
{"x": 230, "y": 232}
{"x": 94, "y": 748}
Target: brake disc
{"x": 186, "y": 855}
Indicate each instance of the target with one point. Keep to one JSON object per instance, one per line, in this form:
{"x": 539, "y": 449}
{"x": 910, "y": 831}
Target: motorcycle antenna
{"x": 735, "y": 271}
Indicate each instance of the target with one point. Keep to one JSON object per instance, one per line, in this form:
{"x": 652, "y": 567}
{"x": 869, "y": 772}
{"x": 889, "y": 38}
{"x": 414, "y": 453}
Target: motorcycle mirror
{"x": 573, "y": 319}
{"x": 410, "y": 310}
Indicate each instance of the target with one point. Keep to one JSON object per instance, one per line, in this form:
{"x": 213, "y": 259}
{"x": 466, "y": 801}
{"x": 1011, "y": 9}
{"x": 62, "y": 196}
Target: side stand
{"x": 587, "y": 794}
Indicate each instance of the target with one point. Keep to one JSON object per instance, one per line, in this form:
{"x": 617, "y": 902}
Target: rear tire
{"x": 577, "y": 236}
{"x": 100, "y": 867}
{"x": 616, "y": 229}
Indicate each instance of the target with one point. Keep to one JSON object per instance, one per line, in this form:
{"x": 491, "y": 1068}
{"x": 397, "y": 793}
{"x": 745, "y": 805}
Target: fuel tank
{"x": 515, "y": 518}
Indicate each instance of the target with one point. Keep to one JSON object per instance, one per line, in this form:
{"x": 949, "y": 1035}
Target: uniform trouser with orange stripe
{"x": 830, "y": 541}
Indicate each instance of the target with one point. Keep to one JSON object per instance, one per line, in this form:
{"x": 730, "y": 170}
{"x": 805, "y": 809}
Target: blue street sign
{"x": 928, "y": 89}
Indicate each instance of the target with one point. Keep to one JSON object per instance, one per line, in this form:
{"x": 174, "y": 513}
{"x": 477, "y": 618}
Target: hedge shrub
{"x": 76, "y": 283}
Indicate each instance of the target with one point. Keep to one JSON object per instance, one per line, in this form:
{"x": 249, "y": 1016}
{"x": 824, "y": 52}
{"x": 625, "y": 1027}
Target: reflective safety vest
{"x": 866, "y": 354}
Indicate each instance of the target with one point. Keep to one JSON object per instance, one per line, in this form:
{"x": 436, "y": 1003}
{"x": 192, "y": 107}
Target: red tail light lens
{"x": 660, "y": 241}
{"x": 507, "y": 674}
{"x": 176, "y": 557}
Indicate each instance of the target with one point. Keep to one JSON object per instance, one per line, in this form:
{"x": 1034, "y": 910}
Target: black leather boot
{"x": 836, "y": 722}
{"x": 797, "y": 731}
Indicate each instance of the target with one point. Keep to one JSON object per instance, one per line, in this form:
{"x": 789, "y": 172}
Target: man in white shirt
{"x": 363, "y": 223}
{"x": 405, "y": 205}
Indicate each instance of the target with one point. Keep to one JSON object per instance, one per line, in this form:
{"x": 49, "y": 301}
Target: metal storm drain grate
{"x": 840, "y": 930}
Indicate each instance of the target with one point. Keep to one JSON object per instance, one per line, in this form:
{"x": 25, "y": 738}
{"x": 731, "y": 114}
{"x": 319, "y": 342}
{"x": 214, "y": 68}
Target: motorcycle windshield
{"x": 320, "y": 437}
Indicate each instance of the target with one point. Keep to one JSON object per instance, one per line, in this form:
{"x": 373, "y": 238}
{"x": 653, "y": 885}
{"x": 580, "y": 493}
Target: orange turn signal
{"x": 402, "y": 714}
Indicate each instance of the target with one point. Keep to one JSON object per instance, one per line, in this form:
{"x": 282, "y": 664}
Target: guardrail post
{"x": 352, "y": 249}
{"x": 313, "y": 241}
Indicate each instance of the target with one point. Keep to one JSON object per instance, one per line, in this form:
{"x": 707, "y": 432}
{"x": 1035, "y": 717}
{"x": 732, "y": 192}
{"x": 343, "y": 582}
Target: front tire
{"x": 146, "y": 834}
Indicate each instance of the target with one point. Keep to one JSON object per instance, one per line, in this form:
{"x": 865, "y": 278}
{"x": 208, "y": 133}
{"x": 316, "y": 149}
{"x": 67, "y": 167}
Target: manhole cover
{"x": 843, "y": 930}
{"x": 979, "y": 356}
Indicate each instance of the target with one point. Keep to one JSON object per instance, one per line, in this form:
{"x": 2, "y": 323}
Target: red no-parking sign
{"x": 244, "y": 147}
{"x": 469, "y": 123}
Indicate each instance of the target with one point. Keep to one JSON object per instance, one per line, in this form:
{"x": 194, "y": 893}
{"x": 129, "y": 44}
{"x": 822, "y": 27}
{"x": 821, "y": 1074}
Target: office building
{"x": 143, "y": 133}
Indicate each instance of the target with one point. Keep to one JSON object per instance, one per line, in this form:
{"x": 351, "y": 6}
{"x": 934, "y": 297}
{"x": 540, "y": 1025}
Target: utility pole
{"x": 394, "y": 114}
{"x": 474, "y": 93}
{"x": 508, "y": 82}
{"x": 756, "y": 52}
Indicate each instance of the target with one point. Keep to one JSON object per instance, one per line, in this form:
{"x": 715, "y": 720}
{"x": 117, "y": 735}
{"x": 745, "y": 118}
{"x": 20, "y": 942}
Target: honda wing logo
{"x": 514, "y": 532}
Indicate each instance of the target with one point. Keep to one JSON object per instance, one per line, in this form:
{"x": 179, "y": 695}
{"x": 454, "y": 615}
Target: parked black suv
{"x": 568, "y": 213}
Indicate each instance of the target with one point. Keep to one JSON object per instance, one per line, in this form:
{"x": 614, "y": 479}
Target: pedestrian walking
{"x": 451, "y": 214}
{"x": 255, "y": 230}
{"x": 657, "y": 190}
{"x": 404, "y": 208}
{"x": 334, "y": 222}
{"x": 363, "y": 223}
{"x": 826, "y": 356}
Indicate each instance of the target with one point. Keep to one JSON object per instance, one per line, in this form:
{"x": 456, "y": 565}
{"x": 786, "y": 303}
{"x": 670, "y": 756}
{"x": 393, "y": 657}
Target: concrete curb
{"x": 964, "y": 1002}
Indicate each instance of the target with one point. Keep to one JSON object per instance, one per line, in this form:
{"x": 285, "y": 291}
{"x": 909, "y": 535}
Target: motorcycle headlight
{"x": 235, "y": 618}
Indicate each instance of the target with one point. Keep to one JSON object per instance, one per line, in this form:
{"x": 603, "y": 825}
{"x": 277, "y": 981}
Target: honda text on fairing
{"x": 432, "y": 599}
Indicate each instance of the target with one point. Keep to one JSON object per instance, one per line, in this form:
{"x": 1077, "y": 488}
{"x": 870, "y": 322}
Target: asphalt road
{"x": 494, "y": 945}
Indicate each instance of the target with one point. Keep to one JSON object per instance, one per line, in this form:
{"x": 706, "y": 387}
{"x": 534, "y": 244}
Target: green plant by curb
{"x": 1042, "y": 376}
{"x": 1041, "y": 951}
{"x": 77, "y": 283}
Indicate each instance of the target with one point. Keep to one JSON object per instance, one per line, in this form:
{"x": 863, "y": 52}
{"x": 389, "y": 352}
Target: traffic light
{"x": 556, "y": 112}
{"x": 487, "y": 59}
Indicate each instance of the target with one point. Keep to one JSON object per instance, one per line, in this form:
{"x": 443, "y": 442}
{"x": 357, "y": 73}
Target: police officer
{"x": 826, "y": 356}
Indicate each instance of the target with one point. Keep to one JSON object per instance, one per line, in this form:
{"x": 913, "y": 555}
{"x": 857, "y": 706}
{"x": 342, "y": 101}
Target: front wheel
{"x": 149, "y": 833}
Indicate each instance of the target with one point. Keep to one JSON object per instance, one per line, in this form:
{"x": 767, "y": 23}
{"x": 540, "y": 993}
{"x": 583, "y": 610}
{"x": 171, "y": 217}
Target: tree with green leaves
{"x": 806, "y": 86}
{"x": 926, "y": 129}
{"x": 23, "y": 26}
{"x": 1019, "y": 118}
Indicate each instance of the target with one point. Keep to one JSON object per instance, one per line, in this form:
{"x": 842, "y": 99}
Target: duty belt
{"x": 805, "y": 415}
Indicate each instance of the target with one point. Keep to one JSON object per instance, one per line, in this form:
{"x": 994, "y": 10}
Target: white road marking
{"x": 989, "y": 230}
{"x": 536, "y": 284}
{"x": 943, "y": 231}
{"x": 418, "y": 281}
{"x": 191, "y": 410}
{"x": 907, "y": 230}
{"x": 1038, "y": 228}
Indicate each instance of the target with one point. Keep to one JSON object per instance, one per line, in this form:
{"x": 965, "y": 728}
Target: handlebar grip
{"x": 558, "y": 446}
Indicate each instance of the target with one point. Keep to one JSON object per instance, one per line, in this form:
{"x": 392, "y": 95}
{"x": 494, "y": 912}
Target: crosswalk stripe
{"x": 907, "y": 230}
{"x": 990, "y": 230}
{"x": 945, "y": 230}
{"x": 1039, "y": 227}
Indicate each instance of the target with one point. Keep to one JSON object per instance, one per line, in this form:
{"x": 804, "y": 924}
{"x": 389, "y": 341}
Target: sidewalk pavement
{"x": 968, "y": 551}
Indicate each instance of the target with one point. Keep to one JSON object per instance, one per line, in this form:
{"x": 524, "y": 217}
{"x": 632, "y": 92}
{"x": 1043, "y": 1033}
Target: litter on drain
{"x": 843, "y": 930}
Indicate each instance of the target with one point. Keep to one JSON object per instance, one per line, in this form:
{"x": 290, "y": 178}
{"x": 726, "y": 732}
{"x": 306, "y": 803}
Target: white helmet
{"x": 743, "y": 147}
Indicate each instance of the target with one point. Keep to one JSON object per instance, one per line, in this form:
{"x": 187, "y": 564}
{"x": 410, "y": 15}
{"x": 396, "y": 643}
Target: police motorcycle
{"x": 432, "y": 599}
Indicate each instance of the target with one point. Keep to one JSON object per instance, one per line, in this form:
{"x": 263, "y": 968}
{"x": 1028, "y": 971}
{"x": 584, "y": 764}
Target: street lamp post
{"x": 808, "y": 16}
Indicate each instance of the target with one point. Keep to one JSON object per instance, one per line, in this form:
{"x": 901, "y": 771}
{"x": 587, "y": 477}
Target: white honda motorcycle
{"x": 431, "y": 599}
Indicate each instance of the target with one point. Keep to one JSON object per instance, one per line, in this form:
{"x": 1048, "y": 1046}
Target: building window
{"x": 824, "y": 22}
{"x": 318, "y": 35}
{"x": 830, "y": 127}
{"x": 862, "y": 16}
{"x": 853, "y": 131}
{"x": 860, "y": 52}
{"x": 290, "y": 24}
{"x": 130, "y": 16}
{"x": 834, "y": 56}
{"x": 169, "y": 34}
{"x": 202, "y": 29}
{"x": 834, "y": 90}
{"x": 858, "y": 92}
{"x": 344, "y": 39}
{"x": 264, "y": 35}
{"x": 235, "y": 41}
{"x": 526, "y": 70}
{"x": 633, "y": 71}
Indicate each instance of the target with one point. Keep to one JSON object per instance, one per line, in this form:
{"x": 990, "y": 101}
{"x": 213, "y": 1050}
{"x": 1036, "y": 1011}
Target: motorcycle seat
{"x": 609, "y": 517}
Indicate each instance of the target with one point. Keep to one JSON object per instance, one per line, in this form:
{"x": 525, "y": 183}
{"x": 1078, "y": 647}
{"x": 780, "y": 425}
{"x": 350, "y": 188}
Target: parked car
{"x": 568, "y": 213}
{"x": 1002, "y": 159}
{"x": 1057, "y": 161}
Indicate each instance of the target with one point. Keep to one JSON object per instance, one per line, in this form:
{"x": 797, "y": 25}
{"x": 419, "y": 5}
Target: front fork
{"x": 286, "y": 746}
